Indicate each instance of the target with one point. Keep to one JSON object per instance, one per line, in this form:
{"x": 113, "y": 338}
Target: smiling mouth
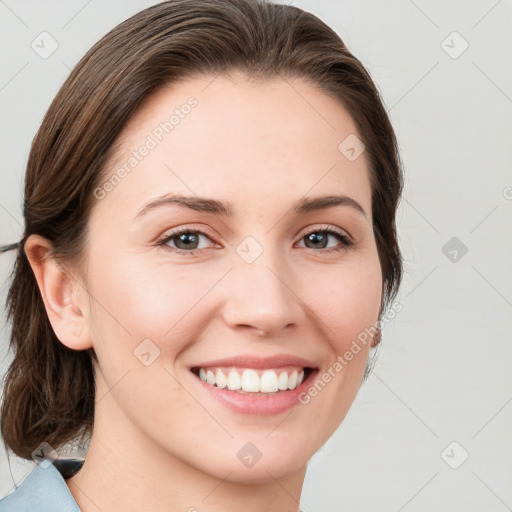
{"x": 254, "y": 381}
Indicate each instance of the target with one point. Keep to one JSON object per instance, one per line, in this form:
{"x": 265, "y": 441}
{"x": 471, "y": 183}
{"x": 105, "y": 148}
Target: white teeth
{"x": 234, "y": 381}
{"x": 210, "y": 377}
{"x": 283, "y": 381}
{"x": 292, "y": 380}
{"x": 268, "y": 381}
{"x": 250, "y": 380}
{"x": 222, "y": 382}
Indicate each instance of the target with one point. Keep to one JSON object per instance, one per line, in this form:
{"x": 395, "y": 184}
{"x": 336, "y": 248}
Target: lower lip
{"x": 265, "y": 405}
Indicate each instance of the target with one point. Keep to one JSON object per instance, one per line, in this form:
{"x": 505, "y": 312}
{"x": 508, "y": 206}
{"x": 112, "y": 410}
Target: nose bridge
{"x": 261, "y": 295}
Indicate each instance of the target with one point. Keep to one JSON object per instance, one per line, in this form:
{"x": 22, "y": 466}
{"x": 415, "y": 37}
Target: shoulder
{"x": 44, "y": 489}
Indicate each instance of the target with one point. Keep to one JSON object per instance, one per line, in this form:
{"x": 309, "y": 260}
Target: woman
{"x": 209, "y": 250}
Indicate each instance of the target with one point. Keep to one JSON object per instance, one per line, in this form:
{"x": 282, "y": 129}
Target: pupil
{"x": 314, "y": 237}
{"x": 186, "y": 238}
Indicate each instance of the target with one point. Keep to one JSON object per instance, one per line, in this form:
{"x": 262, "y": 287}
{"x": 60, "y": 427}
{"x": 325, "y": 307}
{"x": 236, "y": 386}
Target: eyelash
{"x": 346, "y": 242}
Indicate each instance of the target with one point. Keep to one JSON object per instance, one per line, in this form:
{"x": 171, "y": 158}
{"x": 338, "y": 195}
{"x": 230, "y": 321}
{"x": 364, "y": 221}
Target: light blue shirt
{"x": 44, "y": 489}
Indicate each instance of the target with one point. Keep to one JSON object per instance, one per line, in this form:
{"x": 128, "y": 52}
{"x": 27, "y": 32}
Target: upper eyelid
{"x": 322, "y": 227}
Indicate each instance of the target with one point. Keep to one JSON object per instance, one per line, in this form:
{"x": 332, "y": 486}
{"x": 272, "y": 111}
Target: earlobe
{"x": 377, "y": 338}
{"x": 63, "y": 297}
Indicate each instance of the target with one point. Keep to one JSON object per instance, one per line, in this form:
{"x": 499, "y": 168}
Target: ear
{"x": 377, "y": 338}
{"x": 64, "y": 298}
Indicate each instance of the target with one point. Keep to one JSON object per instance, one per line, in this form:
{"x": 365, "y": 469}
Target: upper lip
{"x": 248, "y": 361}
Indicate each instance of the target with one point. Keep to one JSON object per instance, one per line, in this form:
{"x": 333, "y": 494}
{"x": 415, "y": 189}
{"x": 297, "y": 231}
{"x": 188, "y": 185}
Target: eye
{"x": 186, "y": 241}
{"x": 318, "y": 239}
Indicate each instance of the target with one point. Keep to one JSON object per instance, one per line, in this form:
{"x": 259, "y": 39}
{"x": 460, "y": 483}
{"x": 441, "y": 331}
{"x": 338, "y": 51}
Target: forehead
{"x": 255, "y": 144}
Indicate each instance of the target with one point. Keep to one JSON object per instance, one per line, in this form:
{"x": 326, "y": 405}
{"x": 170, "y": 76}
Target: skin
{"x": 157, "y": 443}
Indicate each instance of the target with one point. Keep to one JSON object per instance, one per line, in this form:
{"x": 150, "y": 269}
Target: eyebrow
{"x": 225, "y": 209}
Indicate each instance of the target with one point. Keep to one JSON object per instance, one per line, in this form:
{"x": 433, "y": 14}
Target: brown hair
{"x": 49, "y": 390}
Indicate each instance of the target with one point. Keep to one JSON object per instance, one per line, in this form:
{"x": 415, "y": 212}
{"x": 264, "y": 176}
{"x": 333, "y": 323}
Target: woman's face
{"x": 262, "y": 281}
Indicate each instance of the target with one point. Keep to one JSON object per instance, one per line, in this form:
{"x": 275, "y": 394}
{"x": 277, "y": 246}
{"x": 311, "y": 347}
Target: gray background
{"x": 443, "y": 371}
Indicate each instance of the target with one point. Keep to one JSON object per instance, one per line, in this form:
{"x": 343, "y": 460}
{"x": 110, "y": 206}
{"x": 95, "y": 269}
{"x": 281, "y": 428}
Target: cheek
{"x": 347, "y": 299}
{"x": 160, "y": 302}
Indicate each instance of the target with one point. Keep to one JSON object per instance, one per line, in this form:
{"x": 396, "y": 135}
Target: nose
{"x": 263, "y": 297}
